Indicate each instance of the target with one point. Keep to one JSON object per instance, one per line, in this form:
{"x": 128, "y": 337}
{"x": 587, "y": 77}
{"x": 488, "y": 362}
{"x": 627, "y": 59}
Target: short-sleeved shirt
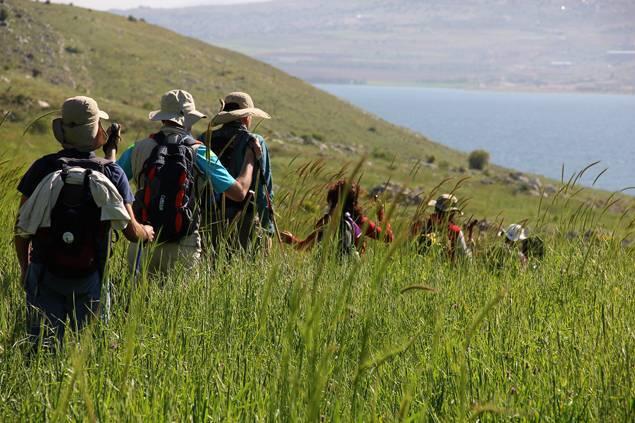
{"x": 211, "y": 169}
{"x": 48, "y": 164}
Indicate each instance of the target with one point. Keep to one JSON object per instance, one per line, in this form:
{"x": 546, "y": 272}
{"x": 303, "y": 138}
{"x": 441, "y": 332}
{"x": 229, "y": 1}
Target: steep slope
{"x": 50, "y": 52}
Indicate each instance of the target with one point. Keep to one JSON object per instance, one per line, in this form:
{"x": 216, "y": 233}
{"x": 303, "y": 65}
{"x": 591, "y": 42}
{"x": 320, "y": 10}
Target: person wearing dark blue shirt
{"x": 57, "y": 296}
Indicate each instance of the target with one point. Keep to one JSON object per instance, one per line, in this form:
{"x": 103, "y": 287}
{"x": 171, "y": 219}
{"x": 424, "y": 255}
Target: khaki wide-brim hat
{"x": 79, "y": 124}
{"x": 237, "y": 106}
{"x": 177, "y": 106}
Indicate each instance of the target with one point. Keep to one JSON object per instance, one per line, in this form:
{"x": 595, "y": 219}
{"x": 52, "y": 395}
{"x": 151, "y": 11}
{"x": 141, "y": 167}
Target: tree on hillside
{"x": 478, "y": 159}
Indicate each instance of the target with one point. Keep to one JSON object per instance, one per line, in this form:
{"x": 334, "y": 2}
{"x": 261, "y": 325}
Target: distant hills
{"x": 586, "y": 45}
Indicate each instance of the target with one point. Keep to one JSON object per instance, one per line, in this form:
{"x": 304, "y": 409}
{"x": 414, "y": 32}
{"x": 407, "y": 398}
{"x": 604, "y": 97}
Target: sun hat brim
{"x": 159, "y": 115}
{"x": 226, "y": 117}
{"x": 190, "y": 118}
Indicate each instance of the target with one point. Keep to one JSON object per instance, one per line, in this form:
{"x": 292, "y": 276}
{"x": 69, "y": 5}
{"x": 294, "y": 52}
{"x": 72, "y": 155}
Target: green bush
{"x": 4, "y": 14}
{"x": 478, "y": 159}
{"x": 72, "y": 50}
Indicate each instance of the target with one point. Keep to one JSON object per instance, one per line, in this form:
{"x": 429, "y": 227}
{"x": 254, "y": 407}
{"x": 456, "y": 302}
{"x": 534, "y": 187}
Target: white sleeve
{"x": 463, "y": 246}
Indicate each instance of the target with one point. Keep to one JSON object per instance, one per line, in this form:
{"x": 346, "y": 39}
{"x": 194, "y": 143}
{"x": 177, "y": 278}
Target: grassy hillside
{"x": 51, "y": 52}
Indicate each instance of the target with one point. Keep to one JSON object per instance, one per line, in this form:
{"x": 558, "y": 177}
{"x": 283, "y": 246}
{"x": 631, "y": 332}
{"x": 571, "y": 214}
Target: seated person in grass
{"x": 352, "y": 212}
{"x": 70, "y": 202}
{"x": 441, "y": 225}
{"x": 514, "y": 239}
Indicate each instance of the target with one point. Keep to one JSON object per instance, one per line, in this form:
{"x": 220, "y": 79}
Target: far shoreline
{"x": 519, "y": 89}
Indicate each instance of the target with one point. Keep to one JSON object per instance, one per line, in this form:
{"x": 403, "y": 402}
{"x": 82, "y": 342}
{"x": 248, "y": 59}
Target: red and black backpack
{"x": 167, "y": 200}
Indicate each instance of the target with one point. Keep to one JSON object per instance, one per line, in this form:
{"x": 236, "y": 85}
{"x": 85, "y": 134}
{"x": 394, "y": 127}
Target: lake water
{"x": 530, "y": 132}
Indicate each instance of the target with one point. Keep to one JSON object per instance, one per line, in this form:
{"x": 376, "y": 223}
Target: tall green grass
{"x": 300, "y": 336}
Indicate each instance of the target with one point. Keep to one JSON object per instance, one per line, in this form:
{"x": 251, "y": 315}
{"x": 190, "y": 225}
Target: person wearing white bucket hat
{"x": 175, "y": 213}
{"x": 515, "y": 236}
{"x": 441, "y": 225}
{"x": 63, "y": 232}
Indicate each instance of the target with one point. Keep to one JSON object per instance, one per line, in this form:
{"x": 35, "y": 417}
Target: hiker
{"x": 70, "y": 202}
{"x": 352, "y": 216}
{"x": 514, "y": 239}
{"x": 231, "y": 143}
{"x": 440, "y": 225}
{"x": 172, "y": 170}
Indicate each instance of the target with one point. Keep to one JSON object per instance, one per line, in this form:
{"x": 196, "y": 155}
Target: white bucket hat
{"x": 236, "y": 106}
{"x": 445, "y": 204}
{"x": 79, "y": 124}
{"x": 514, "y": 233}
{"x": 177, "y": 106}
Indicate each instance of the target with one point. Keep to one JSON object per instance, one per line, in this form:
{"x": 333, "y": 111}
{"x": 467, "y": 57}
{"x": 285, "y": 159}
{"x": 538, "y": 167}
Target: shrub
{"x": 132, "y": 18}
{"x": 478, "y": 159}
{"x": 4, "y": 15}
{"x": 431, "y": 159}
{"x": 72, "y": 50}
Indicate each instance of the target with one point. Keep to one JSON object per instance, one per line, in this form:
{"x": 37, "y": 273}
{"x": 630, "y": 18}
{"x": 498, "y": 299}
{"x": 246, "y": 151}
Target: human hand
{"x": 287, "y": 237}
{"x": 114, "y": 138}
{"x": 149, "y": 233}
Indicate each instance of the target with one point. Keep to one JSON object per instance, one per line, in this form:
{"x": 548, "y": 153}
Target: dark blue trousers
{"x": 54, "y": 302}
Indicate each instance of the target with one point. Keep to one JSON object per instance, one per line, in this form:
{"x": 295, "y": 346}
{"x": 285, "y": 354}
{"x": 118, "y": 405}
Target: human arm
{"x": 22, "y": 248}
{"x": 112, "y": 144}
{"x": 135, "y": 231}
{"x": 238, "y": 191}
{"x": 222, "y": 182}
{"x": 299, "y": 244}
{"x": 464, "y": 250}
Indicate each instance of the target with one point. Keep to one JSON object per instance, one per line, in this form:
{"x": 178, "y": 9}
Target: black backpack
{"x": 167, "y": 200}
{"x": 74, "y": 244}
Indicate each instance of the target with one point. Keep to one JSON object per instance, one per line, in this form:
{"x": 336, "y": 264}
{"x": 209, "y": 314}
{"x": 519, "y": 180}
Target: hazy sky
{"x": 128, "y": 4}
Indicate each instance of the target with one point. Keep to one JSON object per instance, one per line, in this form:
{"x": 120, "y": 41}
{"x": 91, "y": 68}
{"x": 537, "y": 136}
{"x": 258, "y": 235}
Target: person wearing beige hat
{"x": 231, "y": 143}
{"x": 178, "y": 115}
{"x": 63, "y": 255}
{"x": 441, "y": 224}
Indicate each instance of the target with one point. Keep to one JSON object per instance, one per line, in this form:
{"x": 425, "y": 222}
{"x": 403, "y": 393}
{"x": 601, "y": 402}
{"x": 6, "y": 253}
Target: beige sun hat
{"x": 79, "y": 124}
{"x": 236, "y": 106}
{"x": 177, "y": 106}
{"x": 445, "y": 203}
{"x": 514, "y": 233}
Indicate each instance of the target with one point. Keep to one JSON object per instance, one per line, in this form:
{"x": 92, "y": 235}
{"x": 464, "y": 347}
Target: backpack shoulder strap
{"x": 95, "y": 163}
